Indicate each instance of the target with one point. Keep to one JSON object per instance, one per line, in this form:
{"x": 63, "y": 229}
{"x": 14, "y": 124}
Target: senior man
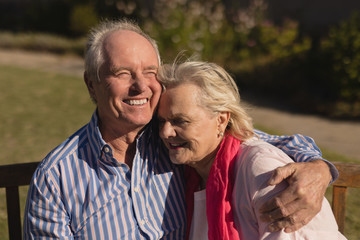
{"x": 112, "y": 179}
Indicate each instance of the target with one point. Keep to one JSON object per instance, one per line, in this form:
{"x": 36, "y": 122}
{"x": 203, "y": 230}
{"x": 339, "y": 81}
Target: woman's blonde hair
{"x": 219, "y": 92}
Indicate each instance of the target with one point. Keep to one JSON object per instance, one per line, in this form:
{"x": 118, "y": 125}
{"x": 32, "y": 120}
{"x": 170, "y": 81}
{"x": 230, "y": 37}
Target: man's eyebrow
{"x": 115, "y": 69}
{"x": 151, "y": 67}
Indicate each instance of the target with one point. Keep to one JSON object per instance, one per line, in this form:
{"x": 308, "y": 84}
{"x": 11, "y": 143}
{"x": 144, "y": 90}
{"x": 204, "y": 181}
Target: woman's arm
{"x": 308, "y": 179}
{"x": 299, "y": 147}
{"x": 251, "y": 191}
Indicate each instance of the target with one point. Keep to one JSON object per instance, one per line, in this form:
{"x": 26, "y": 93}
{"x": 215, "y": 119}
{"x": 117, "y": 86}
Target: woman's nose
{"x": 167, "y": 130}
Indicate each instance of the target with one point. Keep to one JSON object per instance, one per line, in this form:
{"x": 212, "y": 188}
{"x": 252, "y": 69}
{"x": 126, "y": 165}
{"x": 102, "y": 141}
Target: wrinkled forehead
{"x": 182, "y": 94}
{"x": 128, "y": 43}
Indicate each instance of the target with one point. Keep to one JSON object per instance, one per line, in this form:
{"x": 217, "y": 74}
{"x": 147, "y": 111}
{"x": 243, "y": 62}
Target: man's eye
{"x": 150, "y": 74}
{"x": 123, "y": 75}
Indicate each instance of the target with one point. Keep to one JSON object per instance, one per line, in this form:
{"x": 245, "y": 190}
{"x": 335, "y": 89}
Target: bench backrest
{"x": 349, "y": 176}
{"x": 11, "y": 177}
{"x": 15, "y": 175}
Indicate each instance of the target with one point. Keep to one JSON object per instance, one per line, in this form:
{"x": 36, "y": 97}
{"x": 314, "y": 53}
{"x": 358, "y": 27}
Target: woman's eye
{"x": 179, "y": 121}
{"x": 161, "y": 122}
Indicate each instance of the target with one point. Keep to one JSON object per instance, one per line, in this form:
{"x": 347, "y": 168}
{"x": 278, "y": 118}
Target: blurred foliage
{"x": 82, "y": 18}
{"x": 342, "y": 46}
{"x": 278, "y": 60}
{"x": 35, "y": 15}
{"x": 193, "y": 26}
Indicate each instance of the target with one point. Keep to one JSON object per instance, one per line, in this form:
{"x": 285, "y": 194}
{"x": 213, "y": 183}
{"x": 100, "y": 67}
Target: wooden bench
{"x": 349, "y": 176}
{"x": 11, "y": 177}
{"x": 15, "y": 175}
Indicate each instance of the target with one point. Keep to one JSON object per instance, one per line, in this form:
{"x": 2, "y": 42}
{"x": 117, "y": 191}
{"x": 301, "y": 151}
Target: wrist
{"x": 324, "y": 168}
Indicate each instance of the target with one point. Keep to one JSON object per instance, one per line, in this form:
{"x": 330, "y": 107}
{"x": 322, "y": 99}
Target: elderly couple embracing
{"x": 170, "y": 153}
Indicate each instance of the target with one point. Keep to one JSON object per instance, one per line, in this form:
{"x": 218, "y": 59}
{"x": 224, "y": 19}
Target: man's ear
{"x": 223, "y": 120}
{"x": 90, "y": 86}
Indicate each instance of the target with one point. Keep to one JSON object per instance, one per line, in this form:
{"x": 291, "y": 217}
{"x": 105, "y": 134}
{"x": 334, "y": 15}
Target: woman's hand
{"x": 301, "y": 200}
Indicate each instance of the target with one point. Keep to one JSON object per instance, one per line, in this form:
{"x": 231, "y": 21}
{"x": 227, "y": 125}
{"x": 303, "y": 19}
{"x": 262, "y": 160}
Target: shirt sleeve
{"x": 251, "y": 191}
{"x": 45, "y": 216}
{"x": 299, "y": 147}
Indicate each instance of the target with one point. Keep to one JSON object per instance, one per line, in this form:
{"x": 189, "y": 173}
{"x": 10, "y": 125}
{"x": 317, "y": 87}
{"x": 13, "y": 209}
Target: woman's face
{"x": 189, "y": 131}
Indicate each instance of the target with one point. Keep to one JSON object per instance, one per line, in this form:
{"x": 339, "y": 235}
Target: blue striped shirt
{"x": 79, "y": 191}
{"x": 299, "y": 147}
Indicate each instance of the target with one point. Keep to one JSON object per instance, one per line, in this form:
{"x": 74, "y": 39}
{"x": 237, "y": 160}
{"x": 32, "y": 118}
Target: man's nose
{"x": 139, "y": 83}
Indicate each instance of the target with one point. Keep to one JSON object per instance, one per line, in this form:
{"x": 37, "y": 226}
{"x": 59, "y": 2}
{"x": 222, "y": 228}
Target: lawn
{"x": 40, "y": 109}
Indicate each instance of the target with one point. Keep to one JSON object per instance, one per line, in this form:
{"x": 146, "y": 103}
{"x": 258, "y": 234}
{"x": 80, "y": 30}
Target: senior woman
{"x": 204, "y": 126}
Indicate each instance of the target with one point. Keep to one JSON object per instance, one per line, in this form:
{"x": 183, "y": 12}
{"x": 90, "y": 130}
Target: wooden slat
{"x": 13, "y": 213}
{"x": 339, "y": 206}
{"x": 11, "y": 177}
{"x": 349, "y": 174}
{"x": 16, "y": 174}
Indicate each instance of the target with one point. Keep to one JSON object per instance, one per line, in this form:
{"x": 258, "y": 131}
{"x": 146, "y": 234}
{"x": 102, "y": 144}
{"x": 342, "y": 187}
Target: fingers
{"x": 282, "y": 205}
{"x": 291, "y": 223}
{"x": 300, "y": 201}
{"x": 277, "y": 208}
{"x": 293, "y": 214}
{"x": 281, "y": 173}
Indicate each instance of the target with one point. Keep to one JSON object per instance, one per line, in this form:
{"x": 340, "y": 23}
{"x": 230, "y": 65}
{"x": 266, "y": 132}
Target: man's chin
{"x": 139, "y": 122}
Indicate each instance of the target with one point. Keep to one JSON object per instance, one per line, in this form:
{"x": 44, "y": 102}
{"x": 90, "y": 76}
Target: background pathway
{"x": 342, "y": 137}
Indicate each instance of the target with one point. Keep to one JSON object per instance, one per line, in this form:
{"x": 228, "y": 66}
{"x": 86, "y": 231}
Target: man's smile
{"x": 135, "y": 102}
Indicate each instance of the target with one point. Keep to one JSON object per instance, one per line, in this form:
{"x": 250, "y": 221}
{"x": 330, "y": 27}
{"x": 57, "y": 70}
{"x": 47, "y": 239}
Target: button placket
{"x": 137, "y": 194}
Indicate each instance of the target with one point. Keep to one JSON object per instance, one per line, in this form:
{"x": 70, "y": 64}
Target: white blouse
{"x": 252, "y": 170}
{"x": 199, "y": 225}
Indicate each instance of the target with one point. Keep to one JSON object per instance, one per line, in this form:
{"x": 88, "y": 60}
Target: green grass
{"x": 38, "y": 111}
{"x": 41, "y": 109}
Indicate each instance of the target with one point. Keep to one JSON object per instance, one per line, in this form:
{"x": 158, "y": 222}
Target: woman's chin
{"x": 176, "y": 160}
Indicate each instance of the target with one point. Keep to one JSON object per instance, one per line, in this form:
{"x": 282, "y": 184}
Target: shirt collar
{"x": 96, "y": 141}
{"x": 98, "y": 144}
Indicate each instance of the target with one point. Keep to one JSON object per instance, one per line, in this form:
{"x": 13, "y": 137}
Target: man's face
{"x": 128, "y": 91}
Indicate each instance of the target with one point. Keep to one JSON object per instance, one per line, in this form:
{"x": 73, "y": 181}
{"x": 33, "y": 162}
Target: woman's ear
{"x": 223, "y": 120}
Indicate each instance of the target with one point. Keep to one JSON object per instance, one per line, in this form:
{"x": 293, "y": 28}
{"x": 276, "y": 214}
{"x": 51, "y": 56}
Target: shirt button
{"x": 142, "y": 222}
{"x": 136, "y": 189}
{"x": 106, "y": 149}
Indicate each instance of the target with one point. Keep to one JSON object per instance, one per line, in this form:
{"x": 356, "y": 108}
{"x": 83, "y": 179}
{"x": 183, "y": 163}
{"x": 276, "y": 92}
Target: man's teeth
{"x": 136, "y": 102}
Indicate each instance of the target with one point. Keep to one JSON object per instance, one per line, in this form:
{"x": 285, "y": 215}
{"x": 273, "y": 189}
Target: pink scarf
{"x": 218, "y": 192}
